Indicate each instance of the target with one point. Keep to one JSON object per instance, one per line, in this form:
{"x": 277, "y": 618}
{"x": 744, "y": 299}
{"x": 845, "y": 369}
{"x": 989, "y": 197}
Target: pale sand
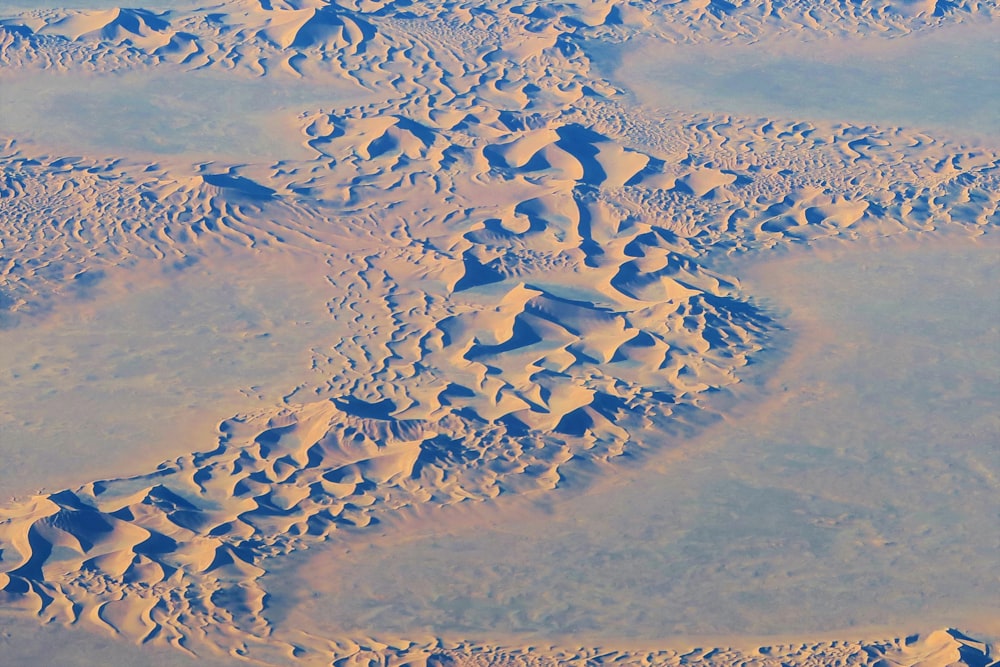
{"x": 923, "y": 81}
{"x": 152, "y": 355}
{"x": 514, "y": 265}
{"x": 766, "y": 522}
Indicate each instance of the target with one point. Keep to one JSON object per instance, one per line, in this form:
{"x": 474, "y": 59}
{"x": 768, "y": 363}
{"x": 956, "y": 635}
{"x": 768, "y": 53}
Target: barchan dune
{"x": 289, "y": 284}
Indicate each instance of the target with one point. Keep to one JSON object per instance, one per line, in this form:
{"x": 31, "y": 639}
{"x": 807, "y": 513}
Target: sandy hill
{"x": 517, "y": 264}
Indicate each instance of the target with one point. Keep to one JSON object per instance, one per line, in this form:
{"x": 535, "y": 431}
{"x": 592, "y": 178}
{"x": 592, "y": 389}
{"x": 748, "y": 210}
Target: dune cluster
{"x": 515, "y": 260}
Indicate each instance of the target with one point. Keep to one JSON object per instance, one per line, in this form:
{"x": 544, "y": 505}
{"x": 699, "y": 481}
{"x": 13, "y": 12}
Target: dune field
{"x": 500, "y": 332}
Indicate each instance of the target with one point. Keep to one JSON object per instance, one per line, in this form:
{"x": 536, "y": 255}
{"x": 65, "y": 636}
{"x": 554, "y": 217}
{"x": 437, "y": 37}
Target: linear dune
{"x": 517, "y": 264}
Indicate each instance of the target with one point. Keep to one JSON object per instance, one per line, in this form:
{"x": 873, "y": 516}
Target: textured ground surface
{"x": 490, "y": 276}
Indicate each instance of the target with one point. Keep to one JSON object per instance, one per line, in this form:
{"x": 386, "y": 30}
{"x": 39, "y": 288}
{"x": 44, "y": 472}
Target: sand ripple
{"x": 516, "y": 261}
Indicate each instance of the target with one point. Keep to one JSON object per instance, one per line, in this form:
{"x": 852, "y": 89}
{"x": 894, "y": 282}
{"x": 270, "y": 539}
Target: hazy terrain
{"x": 498, "y": 333}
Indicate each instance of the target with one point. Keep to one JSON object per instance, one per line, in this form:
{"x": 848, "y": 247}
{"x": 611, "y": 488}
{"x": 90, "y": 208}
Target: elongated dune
{"x": 418, "y": 261}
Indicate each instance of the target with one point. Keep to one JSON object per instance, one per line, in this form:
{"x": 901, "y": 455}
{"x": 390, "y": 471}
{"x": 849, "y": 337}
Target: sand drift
{"x": 409, "y": 257}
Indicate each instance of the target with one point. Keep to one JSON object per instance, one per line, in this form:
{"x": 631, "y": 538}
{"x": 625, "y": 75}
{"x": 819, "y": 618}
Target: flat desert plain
{"x": 500, "y": 332}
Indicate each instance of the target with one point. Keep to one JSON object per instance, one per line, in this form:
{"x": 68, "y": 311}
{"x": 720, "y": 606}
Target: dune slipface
{"x": 513, "y": 259}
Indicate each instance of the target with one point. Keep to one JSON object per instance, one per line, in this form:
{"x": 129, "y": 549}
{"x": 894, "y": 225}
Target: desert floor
{"x": 504, "y": 332}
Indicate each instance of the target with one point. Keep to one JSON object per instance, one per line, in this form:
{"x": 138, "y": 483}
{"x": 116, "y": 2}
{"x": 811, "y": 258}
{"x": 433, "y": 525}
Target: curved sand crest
{"x": 746, "y": 531}
{"x": 107, "y": 545}
{"x": 286, "y": 486}
{"x": 495, "y": 337}
{"x": 941, "y": 648}
{"x": 938, "y": 648}
{"x": 202, "y": 526}
{"x": 130, "y": 365}
{"x": 141, "y": 28}
{"x": 253, "y": 36}
{"x": 375, "y": 470}
{"x": 358, "y": 39}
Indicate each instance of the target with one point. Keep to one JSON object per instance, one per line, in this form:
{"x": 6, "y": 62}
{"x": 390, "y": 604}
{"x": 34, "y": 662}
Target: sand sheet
{"x": 289, "y": 287}
{"x": 138, "y": 375}
{"x": 198, "y": 114}
{"x": 942, "y": 81}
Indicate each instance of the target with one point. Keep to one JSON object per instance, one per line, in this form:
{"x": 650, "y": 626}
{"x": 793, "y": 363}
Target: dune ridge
{"x": 939, "y": 648}
{"x": 358, "y": 39}
{"x": 518, "y": 263}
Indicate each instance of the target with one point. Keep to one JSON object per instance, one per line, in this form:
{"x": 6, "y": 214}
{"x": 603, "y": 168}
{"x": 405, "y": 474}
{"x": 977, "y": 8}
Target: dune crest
{"x": 517, "y": 264}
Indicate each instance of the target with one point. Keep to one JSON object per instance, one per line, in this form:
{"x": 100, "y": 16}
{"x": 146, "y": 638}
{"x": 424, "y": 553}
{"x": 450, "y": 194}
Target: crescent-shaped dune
{"x": 516, "y": 261}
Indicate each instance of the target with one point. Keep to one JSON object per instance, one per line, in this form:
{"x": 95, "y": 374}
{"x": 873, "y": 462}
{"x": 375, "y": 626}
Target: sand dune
{"x": 140, "y": 28}
{"x": 514, "y": 259}
{"x": 939, "y": 648}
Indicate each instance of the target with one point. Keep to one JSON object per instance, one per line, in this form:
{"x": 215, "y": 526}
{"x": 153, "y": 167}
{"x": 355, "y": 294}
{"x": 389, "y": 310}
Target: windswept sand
{"x": 462, "y": 264}
{"x": 744, "y": 531}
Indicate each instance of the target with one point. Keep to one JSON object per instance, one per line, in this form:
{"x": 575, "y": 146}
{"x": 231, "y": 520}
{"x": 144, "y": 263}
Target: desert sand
{"x": 499, "y": 333}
